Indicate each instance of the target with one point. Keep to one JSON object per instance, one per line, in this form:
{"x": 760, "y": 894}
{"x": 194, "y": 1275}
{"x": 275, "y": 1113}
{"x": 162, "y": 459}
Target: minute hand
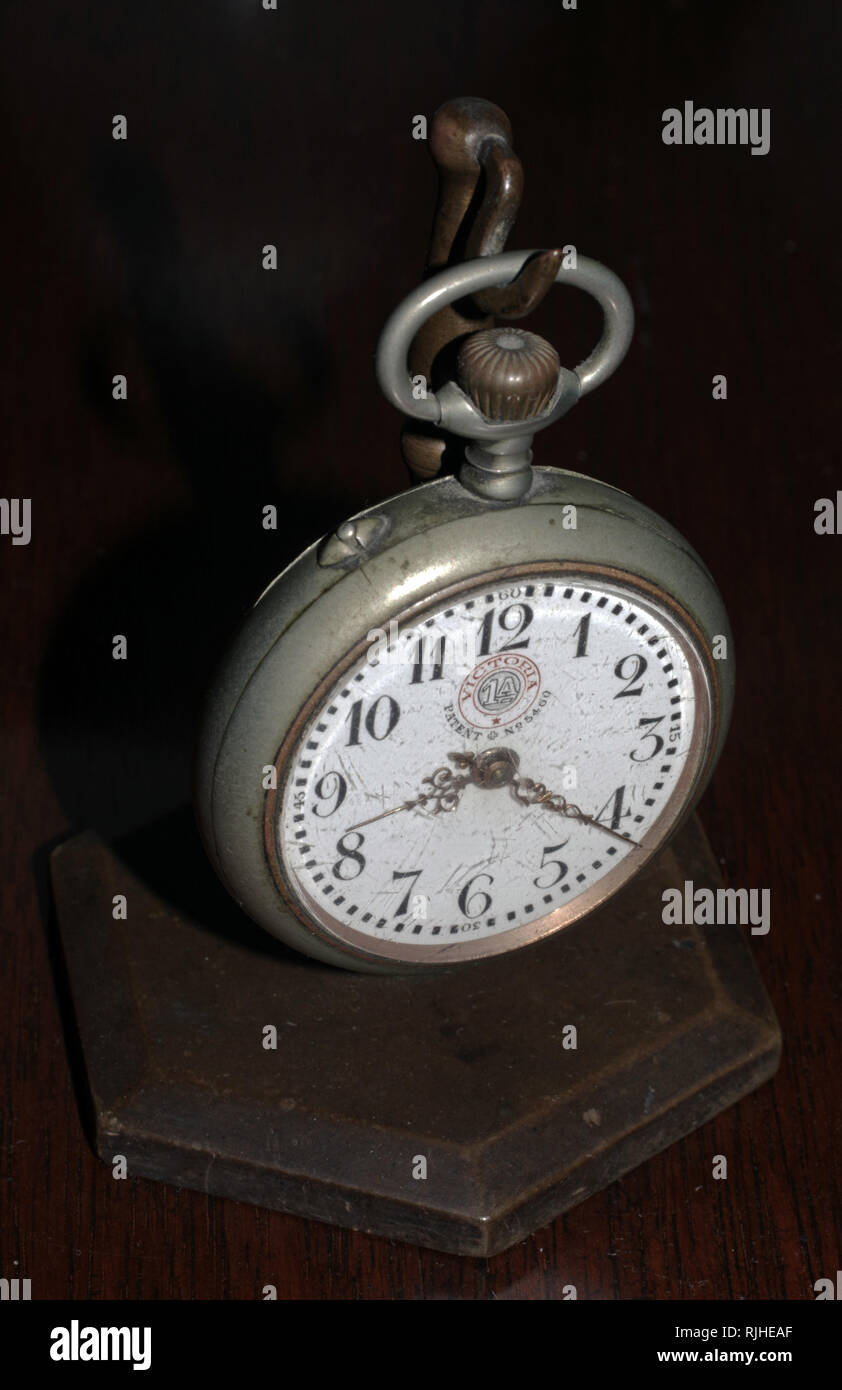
{"x": 444, "y": 792}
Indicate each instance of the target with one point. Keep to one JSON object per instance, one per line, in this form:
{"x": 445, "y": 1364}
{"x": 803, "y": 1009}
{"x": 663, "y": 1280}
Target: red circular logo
{"x": 499, "y": 690}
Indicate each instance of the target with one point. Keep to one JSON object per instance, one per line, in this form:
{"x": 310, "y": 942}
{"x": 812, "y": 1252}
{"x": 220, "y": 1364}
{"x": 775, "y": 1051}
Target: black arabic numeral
{"x": 520, "y": 620}
{"x": 436, "y": 657}
{"x": 331, "y": 787}
{"x": 403, "y": 908}
{"x": 466, "y": 897}
{"x": 583, "y": 628}
{"x": 639, "y": 664}
{"x": 349, "y": 855}
{"x": 558, "y": 863}
{"x": 659, "y": 742}
{"x": 615, "y": 801}
{"x": 373, "y": 722}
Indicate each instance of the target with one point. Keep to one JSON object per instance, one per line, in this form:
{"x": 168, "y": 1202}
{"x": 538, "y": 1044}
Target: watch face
{"x": 488, "y": 770}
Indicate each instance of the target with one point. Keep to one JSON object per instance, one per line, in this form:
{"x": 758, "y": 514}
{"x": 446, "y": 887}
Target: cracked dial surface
{"x": 597, "y": 690}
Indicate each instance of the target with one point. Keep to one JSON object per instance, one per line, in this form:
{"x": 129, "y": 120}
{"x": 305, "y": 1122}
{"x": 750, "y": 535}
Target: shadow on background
{"x": 119, "y": 750}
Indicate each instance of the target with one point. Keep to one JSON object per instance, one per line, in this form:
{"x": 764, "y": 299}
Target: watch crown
{"x": 508, "y": 373}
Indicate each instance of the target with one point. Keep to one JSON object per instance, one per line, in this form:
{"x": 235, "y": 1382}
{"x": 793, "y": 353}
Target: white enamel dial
{"x": 597, "y": 697}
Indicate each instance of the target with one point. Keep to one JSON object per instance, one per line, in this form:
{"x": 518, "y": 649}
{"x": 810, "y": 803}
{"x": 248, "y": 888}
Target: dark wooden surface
{"x": 464, "y": 1067}
{"x": 248, "y": 387}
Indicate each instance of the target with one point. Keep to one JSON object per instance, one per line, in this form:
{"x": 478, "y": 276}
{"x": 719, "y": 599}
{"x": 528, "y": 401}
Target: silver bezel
{"x": 433, "y": 538}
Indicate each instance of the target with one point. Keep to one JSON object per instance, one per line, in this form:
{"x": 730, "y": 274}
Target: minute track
{"x": 591, "y": 712}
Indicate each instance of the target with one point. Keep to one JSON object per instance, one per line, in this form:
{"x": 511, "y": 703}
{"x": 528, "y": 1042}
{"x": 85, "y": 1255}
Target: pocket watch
{"x": 475, "y": 711}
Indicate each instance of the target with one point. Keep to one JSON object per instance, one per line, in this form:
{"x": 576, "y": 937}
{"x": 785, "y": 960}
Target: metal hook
{"x": 470, "y": 140}
{"x": 488, "y": 236}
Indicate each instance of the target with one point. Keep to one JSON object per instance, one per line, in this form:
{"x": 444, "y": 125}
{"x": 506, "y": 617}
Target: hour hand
{"x": 536, "y": 794}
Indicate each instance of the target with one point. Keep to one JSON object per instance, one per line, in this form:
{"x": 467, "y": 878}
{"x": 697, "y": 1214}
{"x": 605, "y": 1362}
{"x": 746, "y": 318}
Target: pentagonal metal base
{"x": 448, "y": 1110}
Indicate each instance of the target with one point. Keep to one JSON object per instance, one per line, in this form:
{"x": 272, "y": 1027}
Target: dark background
{"x": 248, "y": 387}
